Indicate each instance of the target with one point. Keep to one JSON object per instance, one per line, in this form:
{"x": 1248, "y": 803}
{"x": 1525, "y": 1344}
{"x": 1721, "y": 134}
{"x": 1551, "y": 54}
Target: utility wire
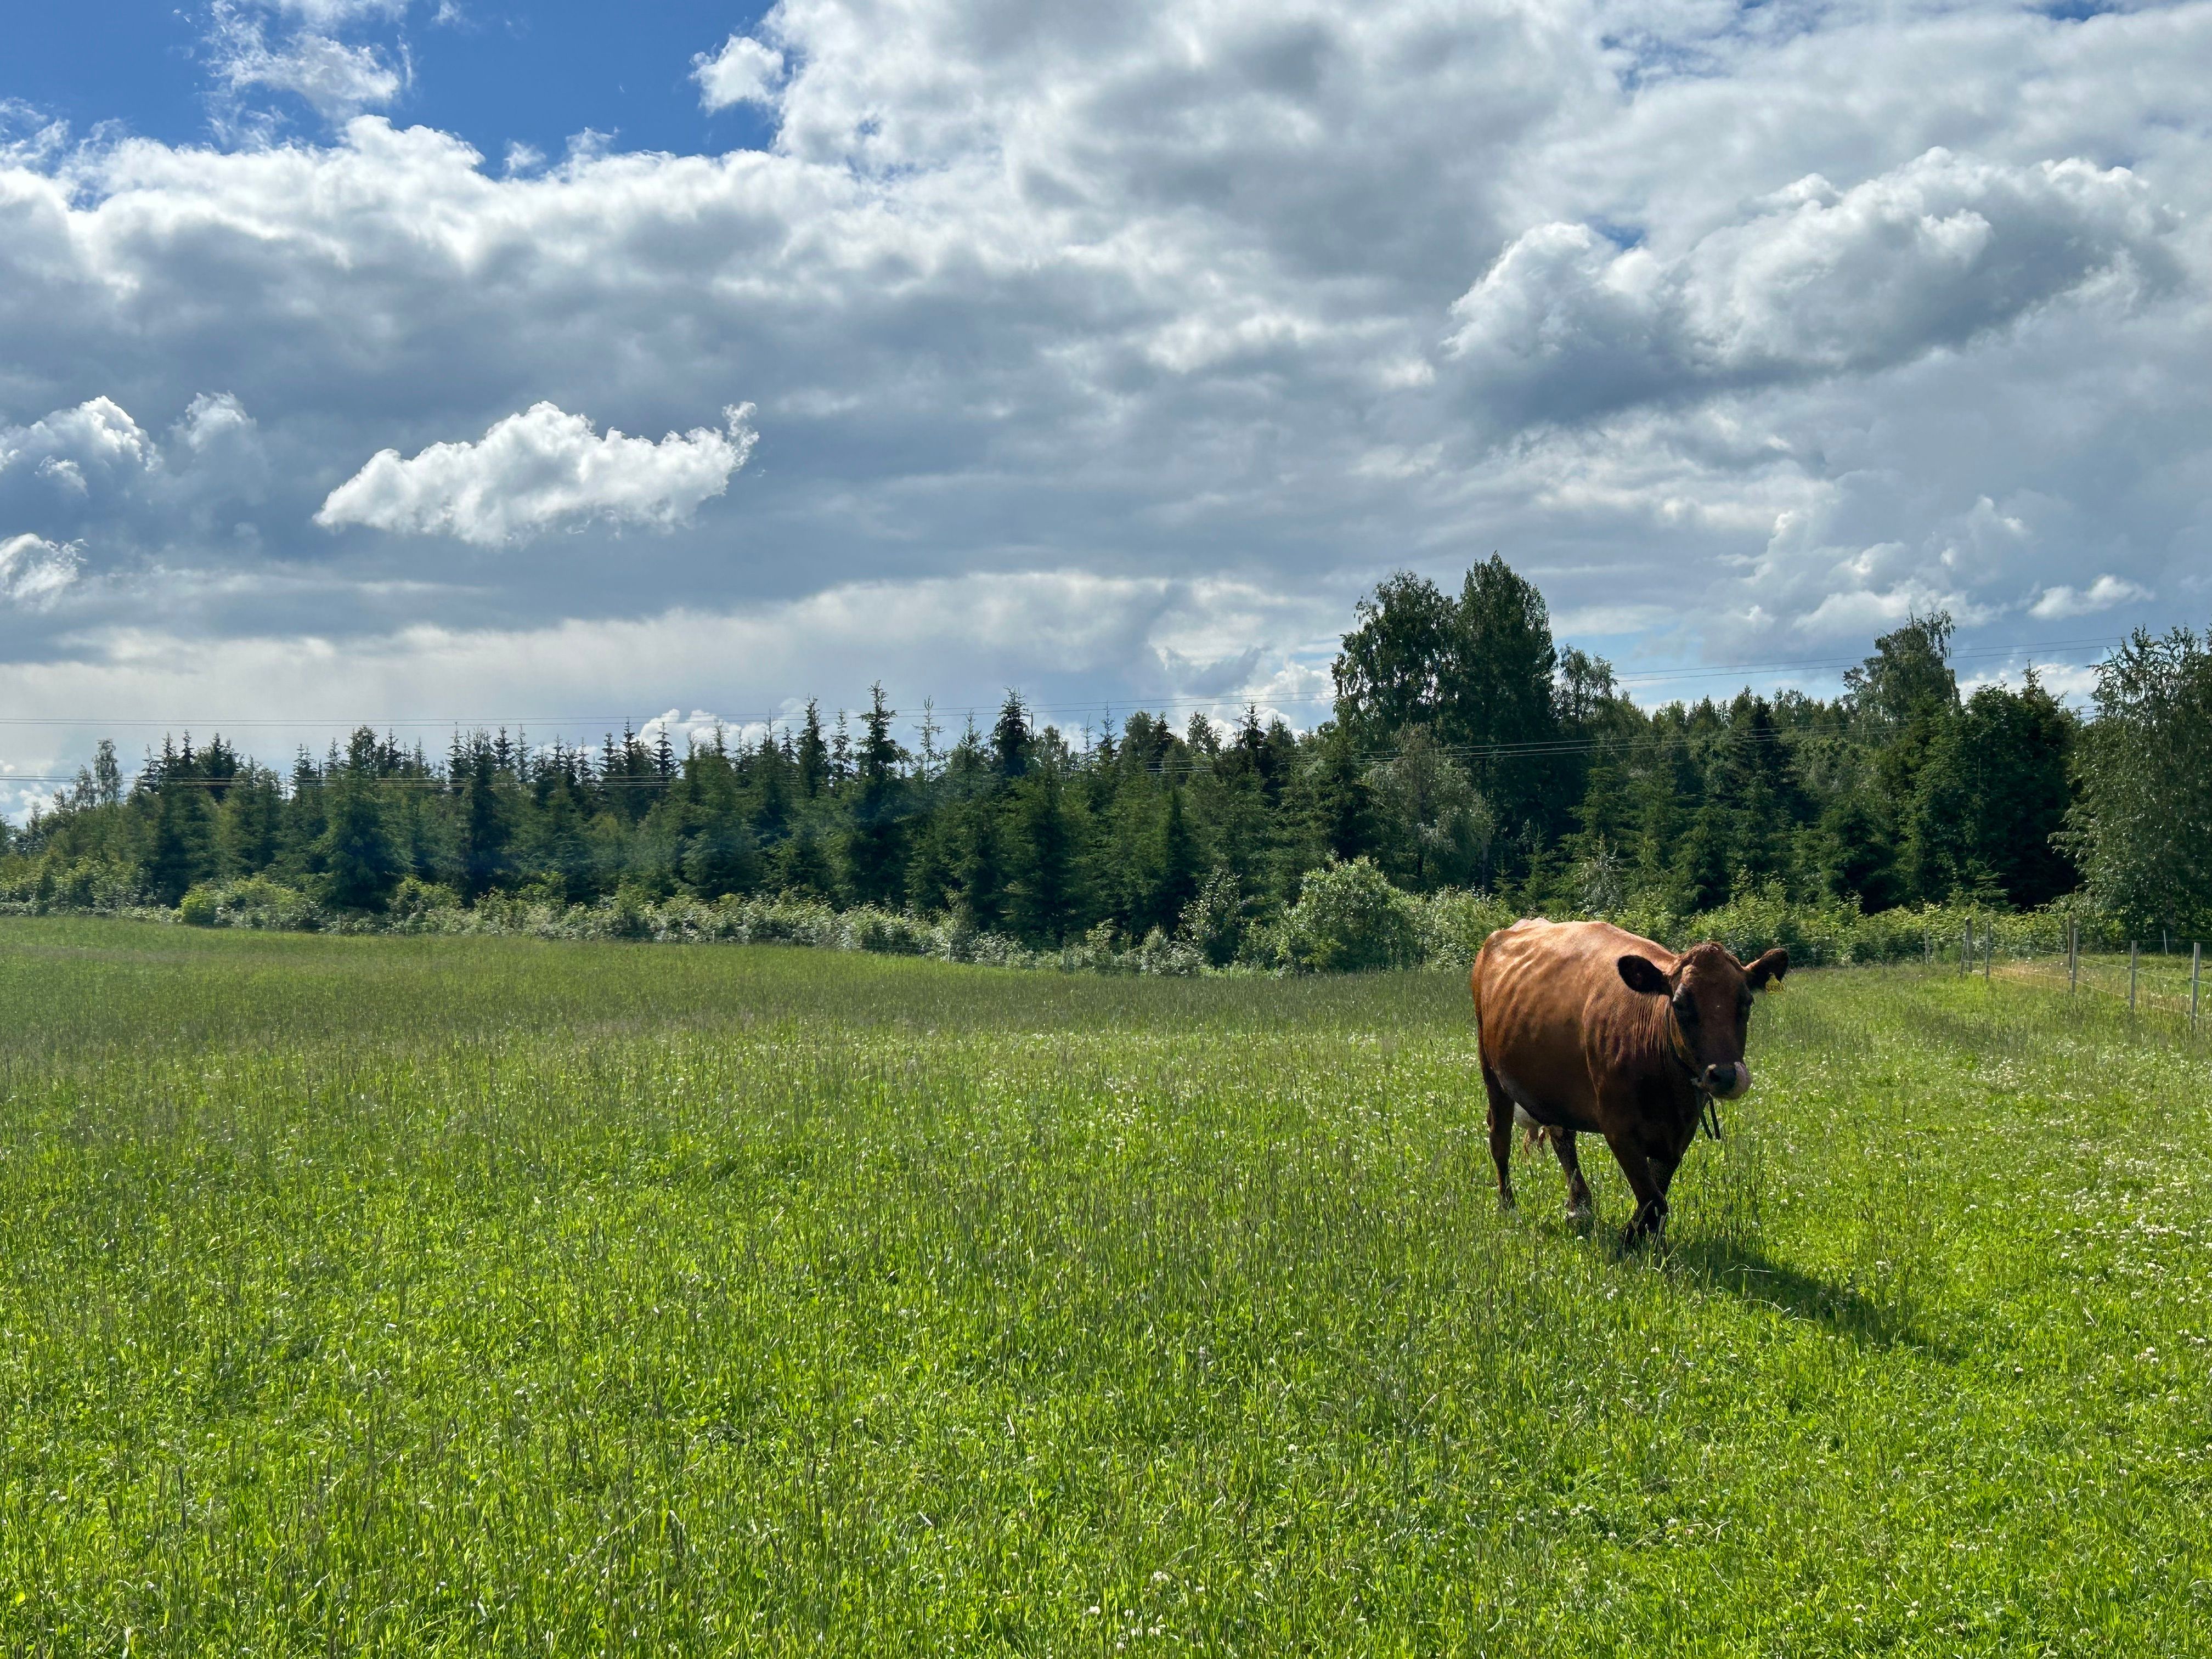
{"x": 785, "y": 717}
{"x": 1624, "y": 744}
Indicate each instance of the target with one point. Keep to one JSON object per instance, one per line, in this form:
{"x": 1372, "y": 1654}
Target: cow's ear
{"x": 1642, "y": 974}
{"x": 1772, "y": 965}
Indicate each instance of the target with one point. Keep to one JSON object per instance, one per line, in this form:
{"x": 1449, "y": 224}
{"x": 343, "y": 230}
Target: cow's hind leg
{"x": 1579, "y": 1206}
{"x": 1501, "y": 1135}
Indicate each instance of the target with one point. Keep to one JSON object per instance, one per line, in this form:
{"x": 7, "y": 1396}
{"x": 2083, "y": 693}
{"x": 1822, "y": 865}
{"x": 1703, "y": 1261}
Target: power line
{"x": 1535, "y": 749}
{"x": 1103, "y": 706}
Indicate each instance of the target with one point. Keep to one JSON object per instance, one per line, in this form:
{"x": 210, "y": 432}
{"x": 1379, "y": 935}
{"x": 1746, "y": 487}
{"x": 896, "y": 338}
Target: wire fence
{"x": 2164, "y": 975}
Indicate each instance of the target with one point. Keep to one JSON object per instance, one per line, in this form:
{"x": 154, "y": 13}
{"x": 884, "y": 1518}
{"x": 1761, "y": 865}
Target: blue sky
{"x": 493, "y": 74}
{"x": 421, "y": 363}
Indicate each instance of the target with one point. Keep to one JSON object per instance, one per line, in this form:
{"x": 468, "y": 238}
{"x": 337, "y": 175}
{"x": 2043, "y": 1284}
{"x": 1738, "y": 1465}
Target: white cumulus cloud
{"x": 33, "y": 571}
{"x": 98, "y": 432}
{"x": 541, "y": 469}
{"x": 1816, "y": 280}
{"x": 2056, "y": 603}
{"x": 743, "y": 72}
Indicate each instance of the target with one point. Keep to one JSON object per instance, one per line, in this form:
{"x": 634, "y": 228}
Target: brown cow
{"x": 1588, "y": 1028}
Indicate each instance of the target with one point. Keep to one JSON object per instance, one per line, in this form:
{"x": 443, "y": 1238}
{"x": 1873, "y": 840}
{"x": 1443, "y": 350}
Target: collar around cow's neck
{"x": 1678, "y": 1046}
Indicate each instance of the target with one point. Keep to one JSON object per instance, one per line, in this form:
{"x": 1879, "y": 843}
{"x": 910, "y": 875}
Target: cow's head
{"x": 1709, "y": 1003}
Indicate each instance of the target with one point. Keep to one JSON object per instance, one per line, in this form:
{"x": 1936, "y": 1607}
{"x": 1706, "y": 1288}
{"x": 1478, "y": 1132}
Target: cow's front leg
{"x": 1578, "y": 1193}
{"x": 1651, "y": 1217}
{"x": 1666, "y": 1156}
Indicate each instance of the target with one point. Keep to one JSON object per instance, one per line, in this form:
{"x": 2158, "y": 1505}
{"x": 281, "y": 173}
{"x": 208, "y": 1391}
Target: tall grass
{"x": 486, "y": 1296}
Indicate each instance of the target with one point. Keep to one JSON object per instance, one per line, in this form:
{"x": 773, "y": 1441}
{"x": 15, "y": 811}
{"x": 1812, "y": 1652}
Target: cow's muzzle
{"x": 1726, "y": 1081}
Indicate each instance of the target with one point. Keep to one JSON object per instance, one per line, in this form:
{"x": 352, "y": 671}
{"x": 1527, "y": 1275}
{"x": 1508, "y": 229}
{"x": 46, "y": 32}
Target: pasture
{"x": 495, "y": 1297}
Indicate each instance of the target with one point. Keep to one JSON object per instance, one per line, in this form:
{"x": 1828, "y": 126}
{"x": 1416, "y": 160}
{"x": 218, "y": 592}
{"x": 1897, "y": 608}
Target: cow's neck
{"x": 1676, "y": 1060}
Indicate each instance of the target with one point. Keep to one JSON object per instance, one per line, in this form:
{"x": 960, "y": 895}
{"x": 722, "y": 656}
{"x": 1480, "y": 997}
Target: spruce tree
{"x": 483, "y": 828}
{"x": 721, "y": 855}
{"x": 802, "y": 868}
{"x": 1009, "y": 738}
{"x": 181, "y": 850}
{"x": 1178, "y": 864}
{"x": 247, "y": 825}
{"x": 979, "y": 867}
{"x": 1040, "y": 891}
{"x": 2017, "y": 749}
{"x": 813, "y": 754}
{"x": 874, "y": 843}
{"x": 358, "y": 862}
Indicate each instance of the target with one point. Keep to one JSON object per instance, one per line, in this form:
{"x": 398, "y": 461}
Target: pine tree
{"x": 1936, "y": 861}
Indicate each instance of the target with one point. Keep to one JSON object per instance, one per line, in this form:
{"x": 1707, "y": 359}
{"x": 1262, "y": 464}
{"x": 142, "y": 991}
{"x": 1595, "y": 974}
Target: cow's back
{"x": 1555, "y": 1015}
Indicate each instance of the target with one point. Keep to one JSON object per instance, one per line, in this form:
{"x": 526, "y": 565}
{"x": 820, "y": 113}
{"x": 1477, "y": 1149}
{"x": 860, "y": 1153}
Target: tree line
{"x": 1467, "y": 749}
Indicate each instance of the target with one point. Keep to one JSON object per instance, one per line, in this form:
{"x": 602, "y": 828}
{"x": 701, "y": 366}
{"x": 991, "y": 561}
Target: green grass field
{"x": 483, "y": 1297}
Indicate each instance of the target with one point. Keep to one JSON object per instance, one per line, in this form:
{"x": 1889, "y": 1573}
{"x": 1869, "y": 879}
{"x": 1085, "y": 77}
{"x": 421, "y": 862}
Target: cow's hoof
{"x": 1650, "y": 1226}
{"x": 1506, "y": 1202}
{"x": 1579, "y": 1217}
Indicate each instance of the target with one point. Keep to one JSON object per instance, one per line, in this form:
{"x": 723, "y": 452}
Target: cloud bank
{"x": 1814, "y": 282}
{"x": 1740, "y": 334}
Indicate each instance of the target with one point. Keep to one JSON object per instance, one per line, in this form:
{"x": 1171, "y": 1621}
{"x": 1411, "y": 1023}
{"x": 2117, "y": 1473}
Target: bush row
{"x": 1348, "y": 919}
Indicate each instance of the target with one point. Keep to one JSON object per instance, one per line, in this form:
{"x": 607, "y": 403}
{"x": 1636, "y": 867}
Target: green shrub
{"x": 259, "y": 901}
{"x": 888, "y": 931}
{"x": 1213, "y": 922}
{"x": 417, "y": 901}
{"x": 1348, "y": 919}
{"x": 1452, "y": 923}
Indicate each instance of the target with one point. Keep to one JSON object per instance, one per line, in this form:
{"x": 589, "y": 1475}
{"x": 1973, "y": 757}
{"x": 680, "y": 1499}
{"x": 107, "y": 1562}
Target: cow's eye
{"x": 1685, "y": 1011}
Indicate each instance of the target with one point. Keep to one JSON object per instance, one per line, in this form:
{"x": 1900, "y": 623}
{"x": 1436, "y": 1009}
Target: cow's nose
{"x": 1729, "y": 1082}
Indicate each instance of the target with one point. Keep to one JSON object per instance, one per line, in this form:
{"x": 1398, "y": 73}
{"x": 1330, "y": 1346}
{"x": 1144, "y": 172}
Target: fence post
{"x": 1966, "y": 950}
{"x": 2132, "y": 976}
{"x": 2073, "y": 958}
